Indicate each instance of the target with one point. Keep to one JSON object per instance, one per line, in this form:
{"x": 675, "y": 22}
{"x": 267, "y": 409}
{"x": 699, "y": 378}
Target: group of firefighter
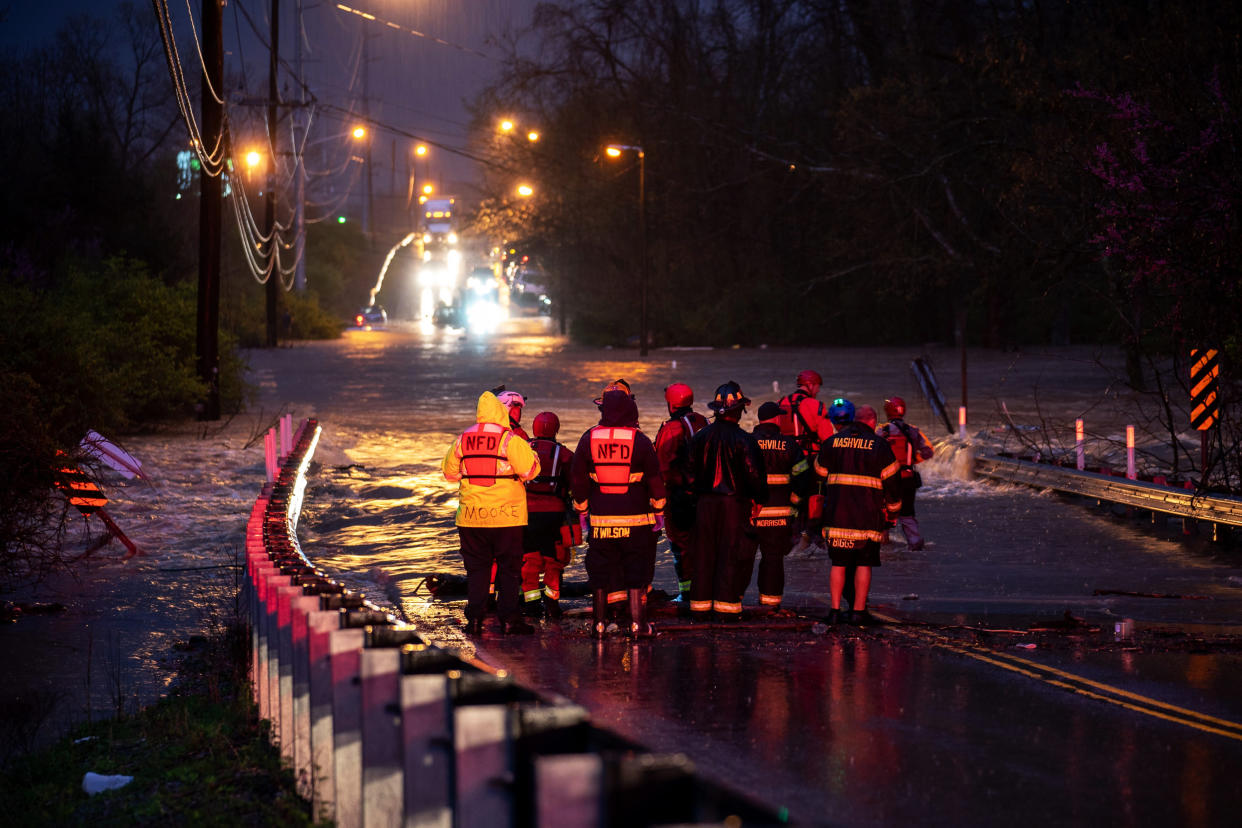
{"x": 815, "y": 474}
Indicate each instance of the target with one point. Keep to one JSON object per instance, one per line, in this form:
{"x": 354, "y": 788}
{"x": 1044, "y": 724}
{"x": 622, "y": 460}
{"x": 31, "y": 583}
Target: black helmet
{"x": 729, "y": 397}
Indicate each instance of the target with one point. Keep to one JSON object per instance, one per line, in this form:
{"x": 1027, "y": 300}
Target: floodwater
{"x": 905, "y": 723}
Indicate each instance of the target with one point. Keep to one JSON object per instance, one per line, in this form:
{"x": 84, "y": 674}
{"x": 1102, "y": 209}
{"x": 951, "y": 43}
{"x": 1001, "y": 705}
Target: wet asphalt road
{"x": 982, "y": 705}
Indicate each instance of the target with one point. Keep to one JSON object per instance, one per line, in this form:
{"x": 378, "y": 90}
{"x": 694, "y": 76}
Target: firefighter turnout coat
{"x": 616, "y": 474}
{"x": 491, "y": 465}
{"x": 789, "y": 475}
{"x": 861, "y": 488}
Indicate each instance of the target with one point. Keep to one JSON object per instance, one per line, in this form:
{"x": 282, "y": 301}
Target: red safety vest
{"x": 612, "y": 450}
{"x": 482, "y": 449}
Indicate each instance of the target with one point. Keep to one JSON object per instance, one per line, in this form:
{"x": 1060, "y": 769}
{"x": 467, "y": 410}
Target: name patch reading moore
{"x": 864, "y": 443}
{"x": 489, "y": 512}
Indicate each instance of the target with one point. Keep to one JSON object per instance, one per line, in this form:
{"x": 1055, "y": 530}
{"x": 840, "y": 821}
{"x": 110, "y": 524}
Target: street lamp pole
{"x": 614, "y": 151}
{"x": 642, "y": 246}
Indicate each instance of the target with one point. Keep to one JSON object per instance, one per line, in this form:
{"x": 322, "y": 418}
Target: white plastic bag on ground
{"x": 94, "y": 783}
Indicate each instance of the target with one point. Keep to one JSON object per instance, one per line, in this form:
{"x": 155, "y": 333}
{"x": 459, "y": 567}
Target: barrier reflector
{"x": 1204, "y": 388}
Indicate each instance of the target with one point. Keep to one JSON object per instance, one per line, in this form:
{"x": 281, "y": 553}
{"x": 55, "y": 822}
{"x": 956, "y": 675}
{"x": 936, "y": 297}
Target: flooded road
{"x": 928, "y": 722}
{"x": 1003, "y": 694}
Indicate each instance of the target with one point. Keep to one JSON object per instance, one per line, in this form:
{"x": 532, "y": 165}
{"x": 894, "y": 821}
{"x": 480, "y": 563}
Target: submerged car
{"x": 371, "y": 315}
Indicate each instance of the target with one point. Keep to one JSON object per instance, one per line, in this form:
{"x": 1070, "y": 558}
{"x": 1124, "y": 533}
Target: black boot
{"x": 599, "y": 613}
{"x": 552, "y": 607}
{"x": 640, "y": 627}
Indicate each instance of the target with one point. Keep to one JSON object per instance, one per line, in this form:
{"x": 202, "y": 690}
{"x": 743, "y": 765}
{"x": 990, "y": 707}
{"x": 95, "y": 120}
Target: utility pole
{"x": 207, "y": 356}
{"x": 368, "y": 209}
{"x": 269, "y": 224}
{"x": 299, "y": 172}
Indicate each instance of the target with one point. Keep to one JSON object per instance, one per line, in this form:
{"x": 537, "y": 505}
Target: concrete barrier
{"x": 383, "y": 729}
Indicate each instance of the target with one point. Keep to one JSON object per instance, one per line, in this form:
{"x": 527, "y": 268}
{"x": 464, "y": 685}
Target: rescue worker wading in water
{"x": 790, "y": 481}
{"x": 806, "y": 420}
{"x": 910, "y": 448}
{"x": 728, "y": 476}
{"x": 553, "y": 531}
{"x": 618, "y": 490}
{"x": 672, "y": 444}
{"x": 489, "y": 463}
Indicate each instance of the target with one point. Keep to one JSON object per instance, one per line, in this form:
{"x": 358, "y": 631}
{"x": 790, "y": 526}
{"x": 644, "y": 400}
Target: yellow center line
{"x": 1079, "y": 684}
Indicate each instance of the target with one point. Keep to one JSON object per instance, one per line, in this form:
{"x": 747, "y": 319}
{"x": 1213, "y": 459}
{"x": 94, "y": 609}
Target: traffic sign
{"x": 1204, "y": 388}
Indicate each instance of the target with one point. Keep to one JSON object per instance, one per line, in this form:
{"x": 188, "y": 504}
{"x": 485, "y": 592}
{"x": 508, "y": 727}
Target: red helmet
{"x": 809, "y": 377}
{"x": 894, "y": 407}
{"x": 546, "y": 425}
{"x": 678, "y": 395}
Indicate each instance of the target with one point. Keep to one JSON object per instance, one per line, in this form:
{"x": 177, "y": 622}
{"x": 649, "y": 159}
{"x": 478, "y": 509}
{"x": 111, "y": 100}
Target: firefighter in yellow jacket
{"x": 491, "y": 465}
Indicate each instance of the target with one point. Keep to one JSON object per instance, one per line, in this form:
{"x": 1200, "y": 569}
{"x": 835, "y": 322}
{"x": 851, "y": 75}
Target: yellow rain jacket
{"x": 490, "y": 463}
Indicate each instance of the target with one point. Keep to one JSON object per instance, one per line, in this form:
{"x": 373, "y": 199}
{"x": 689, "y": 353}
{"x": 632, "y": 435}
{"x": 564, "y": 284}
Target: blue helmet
{"x": 841, "y": 411}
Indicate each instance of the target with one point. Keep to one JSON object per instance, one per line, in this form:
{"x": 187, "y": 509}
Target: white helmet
{"x": 513, "y": 401}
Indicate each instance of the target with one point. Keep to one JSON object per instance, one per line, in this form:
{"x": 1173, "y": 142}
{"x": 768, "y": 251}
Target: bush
{"x": 109, "y": 347}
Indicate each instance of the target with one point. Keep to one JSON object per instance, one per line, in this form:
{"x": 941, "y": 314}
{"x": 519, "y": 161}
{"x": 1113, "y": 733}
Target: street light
{"x": 525, "y": 190}
{"x": 615, "y": 151}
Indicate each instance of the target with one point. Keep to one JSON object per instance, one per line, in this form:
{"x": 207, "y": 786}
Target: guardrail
{"x": 1155, "y": 497}
{"x": 382, "y": 728}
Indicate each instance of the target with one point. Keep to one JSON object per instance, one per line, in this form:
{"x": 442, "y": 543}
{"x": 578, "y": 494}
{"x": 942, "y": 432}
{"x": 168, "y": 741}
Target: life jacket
{"x": 482, "y": 450}
{"x": 900, "y": 442}
{"x": 551, "y": 463}
{"x": 612, "y": 451}
{"x": 793, "y": 424}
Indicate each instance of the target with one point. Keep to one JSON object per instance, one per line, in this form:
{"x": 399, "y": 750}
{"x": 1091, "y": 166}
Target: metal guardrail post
{"x": 381, "y": 738}
{"x": 319, "y": 627}
{"x": 346, "y": 658}
{"x": 569, "y": 791}
{"x": 484, "y": 779}
{"x": 285, "y": 596}
{"x": 427, "y": 750}
{"x": 303, "y": 606}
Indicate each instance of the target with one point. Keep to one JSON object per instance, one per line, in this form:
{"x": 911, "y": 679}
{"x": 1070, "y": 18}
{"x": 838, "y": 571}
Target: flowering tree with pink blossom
{"x": 1167, "y": 232}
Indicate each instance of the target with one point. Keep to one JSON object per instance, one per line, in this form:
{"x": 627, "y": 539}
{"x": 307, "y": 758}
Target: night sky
{"x": 416, "y": 83}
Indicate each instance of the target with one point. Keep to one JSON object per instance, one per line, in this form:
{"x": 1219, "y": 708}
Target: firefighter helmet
{"x": 894, "y": 407}
{"x": 615, "y": 385}
{"x": 546, "y": 425}
{"x": 513, "y": 401}
{"x": 841, "y": 411}
{"x": 678, "y": 395}
{"x": 729, "y": 397}
{"x": 808, "y": 378}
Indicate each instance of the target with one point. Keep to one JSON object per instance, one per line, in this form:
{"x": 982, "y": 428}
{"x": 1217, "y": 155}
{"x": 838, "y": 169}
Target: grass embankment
{"x": 200, "y": 756}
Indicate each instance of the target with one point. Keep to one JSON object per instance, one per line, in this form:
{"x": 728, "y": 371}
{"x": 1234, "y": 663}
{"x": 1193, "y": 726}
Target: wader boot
{"x": 552, "y": 607}
{"x": 599, "y": 613}
{"x": 640, "y": 627}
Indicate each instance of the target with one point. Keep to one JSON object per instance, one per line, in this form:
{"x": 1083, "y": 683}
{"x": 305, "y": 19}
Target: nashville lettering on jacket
{"x": 772, "y": 445}
{"x": 864, "y": 443}
{"x": 489, "y": 512}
